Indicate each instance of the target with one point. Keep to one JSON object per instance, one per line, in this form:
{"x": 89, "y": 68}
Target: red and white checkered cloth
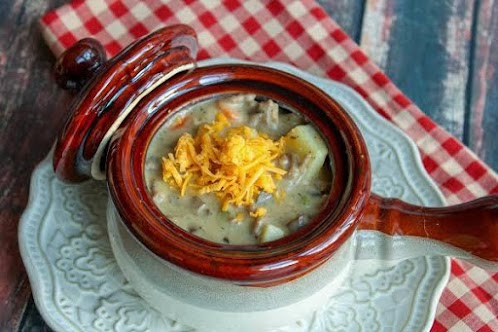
{"x": 301, "y": 33}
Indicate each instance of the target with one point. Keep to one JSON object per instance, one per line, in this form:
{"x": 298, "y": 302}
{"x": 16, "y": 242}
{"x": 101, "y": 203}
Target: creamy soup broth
{"x": 300, "y": 194}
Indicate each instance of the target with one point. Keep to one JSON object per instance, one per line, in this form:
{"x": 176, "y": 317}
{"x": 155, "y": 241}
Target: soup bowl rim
{"x": 263, "y": 264}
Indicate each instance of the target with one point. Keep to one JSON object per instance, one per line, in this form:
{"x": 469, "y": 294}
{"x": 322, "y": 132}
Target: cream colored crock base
{"x": 208, "y": 304}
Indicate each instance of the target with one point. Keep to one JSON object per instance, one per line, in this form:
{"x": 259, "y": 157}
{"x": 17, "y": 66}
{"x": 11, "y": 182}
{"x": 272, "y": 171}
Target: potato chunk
{"x": 270, "y": 232}
{"x": 305, "y": 142}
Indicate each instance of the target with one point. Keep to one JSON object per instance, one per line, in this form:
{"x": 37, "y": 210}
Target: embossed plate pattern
{"x": 77, "y": 285}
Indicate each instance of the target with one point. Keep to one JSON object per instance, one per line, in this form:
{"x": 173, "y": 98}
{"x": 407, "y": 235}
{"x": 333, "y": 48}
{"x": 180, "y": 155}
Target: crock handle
{"x": 471, "y": 227}
{"x": 79, "y": 63}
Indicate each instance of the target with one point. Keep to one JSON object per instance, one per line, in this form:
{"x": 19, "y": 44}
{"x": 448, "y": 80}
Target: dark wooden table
{"x": 442, "y": 54}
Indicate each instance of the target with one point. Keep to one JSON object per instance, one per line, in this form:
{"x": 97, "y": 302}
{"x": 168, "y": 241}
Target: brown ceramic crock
{"x": 118, "y": 111}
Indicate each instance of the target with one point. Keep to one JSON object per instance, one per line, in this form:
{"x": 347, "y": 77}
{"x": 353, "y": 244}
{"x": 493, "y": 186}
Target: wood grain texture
{"x": 424, "y": 47}
{"x": 32, "y": 321}
{"x": 442, "y": 54}
{"x": 29, "y": 119}
{"x": 347, "y": 13}
{"x": 482, "y": 114}
{"x": 31, "y": 112}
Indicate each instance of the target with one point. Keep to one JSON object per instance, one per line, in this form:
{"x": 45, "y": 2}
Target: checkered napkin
{"x": 301, "y": 33}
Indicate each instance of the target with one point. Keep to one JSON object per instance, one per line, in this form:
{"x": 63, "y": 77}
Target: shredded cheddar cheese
{"x": 260, "y": 212}
{"x": 234, "y": 163}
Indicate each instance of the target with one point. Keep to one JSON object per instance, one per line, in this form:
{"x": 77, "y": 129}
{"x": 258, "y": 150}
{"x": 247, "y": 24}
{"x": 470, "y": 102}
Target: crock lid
{"x": 110, "y": 95}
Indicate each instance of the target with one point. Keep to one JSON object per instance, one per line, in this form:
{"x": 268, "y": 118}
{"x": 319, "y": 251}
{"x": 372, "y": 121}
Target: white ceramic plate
{"x": 77, "y": 285}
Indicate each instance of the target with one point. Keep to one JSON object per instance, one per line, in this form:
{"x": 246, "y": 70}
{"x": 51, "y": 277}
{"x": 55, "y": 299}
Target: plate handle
{"x": 468, "y": 230}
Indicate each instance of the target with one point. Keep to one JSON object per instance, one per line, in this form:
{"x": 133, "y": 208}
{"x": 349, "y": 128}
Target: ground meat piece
{"x": 284, "y": 162}
{"x": 158, "y": 195}
{"x": 296, "y": 224}
{"x": 255, "y": 120}
{"x": 258, "y": 225}
{"x": 153, "y": 164}
{"x": 263, "y": 197}
{"x": 270, "y": 110}
{"x": 238, "y": 105}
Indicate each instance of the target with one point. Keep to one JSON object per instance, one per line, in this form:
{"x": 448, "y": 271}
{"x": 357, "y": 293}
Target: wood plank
{"x": 347, "y": 13}
{"x": 424, "y": 47}
{"x": 29, "y": 119}
{"x": 25, "y": 119}
{"x": 32, "y": 320}
{"x": 482, "y": 122}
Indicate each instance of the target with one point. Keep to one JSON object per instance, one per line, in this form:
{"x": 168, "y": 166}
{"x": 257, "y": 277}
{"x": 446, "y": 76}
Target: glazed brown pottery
{"x": 118, "y": 112}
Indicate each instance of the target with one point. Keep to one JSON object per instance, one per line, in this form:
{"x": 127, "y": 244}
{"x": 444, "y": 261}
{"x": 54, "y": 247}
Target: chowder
{"x": 239, "y": 169}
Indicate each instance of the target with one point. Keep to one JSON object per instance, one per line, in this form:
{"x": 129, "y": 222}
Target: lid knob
{"x": 112, "y": 92}
{"x": 79, "y": 63}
